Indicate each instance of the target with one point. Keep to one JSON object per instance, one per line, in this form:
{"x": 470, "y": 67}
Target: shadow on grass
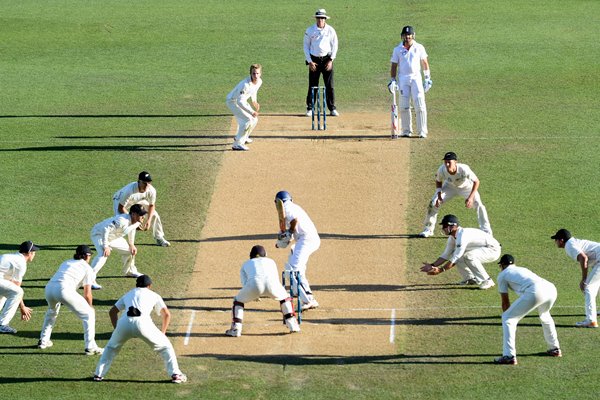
{"x": 273, "y": 236}
{"x": 7, "y": 379}
{"x": 174, "y": 147}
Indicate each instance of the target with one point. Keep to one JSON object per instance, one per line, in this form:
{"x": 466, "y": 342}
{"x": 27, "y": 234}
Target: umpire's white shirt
{"x": 320, "y": 42}
{"x": 409, "y": 60}
{"x": 462, "y": 179}
{"x": 467, "y": 239}
{"x": 73, "y": 274}
{"x": 574, "y": 247}
{"x": 520, "y": 280}
{"x": 13, "y": 267}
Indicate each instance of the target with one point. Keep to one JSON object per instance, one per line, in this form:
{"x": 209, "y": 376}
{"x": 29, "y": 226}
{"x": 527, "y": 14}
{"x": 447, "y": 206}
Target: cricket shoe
{"x": 44, "y": 345}
{"x": 423, "y": 135}
{"x": 469, "y": 281}
{"x": 178, "y": 378}
{"x": 292, "y": 324}
{"x": 506, "y": 360}
{"x": 426, "y": 233}
{"x": 239, "y": 147}
{"x": 405, "y": 134}
{"x": 555, "y": 352}
{"x": 233, "y": 332}
{"x": 308, "y": 113}
{"x": 310, "y": 305}
{"x": 586, "y": 324}
{"x": 163, "y": 242}
{"x": 488, "y": 283}
{"x": 334, "y": 113}
{"x": 94, "y": 351}
{"x": 249, "y": 140}
{"x": 97, "y": 378}
{"x": 7, "y": 329}
{"x": 394, "y": 136}
{"x": 95, "y": 286}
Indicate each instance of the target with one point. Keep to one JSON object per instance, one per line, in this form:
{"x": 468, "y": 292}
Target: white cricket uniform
{"x": 62, "y": 288}
{"x": 307, "y": 242}
{"x": 458, "y": 184}
{"x": 534, "y": 293}
{"x": 574, "y": 247}
{"x": 142, "y": 327}
{"x": 130, "y": 194}
{"x": 13, "y": 267}
{"x": 410, "y": 84}
{"x": 469, "y": 250}
{"x": 111, "y": 232}
{"x": 260, "y": 277}
{"x": 237, "y": 101}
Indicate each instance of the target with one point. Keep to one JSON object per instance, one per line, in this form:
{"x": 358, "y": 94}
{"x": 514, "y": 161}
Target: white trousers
{"x": 470, "y": 265}
{"x": 449, "y": 192}
{"x": 142, "y": 328}
{"x": 246, "y": 122}
{"x": 411, "y": 86}
{"x": 542, "y": 298}
{"x": 297, "y": 261}
{"x": 119, "y": 245}
{"x": 156, "y": 223}
{"x": 260, "y": 287}
{"x": 591, "y": 292}
{"x": 10, "y": 298}
{"x": 57, "y": 294}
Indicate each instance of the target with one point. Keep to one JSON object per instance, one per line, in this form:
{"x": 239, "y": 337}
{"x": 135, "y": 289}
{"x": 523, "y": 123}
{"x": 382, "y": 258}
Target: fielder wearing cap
{"x": 141, "y": 192}
{"x": 467, "y": 249}
{"x": 12, "y": 270}
{"x": 62, "y": 289}
{"x": 587, "y": 254}
{"x": 455, "y": 179}
{"x": 535, "y": 293}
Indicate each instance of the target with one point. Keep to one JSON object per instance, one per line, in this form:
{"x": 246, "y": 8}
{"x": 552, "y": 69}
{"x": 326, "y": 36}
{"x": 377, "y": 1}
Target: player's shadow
{"x": 58, "y": 335}
{"x": 218, "y": 147}
{"x": 273, "y": 236}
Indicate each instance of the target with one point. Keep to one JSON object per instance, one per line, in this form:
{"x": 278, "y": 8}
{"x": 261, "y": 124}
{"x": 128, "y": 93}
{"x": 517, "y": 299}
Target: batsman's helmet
{"x": 407, "y": 30}
{"x": 450, "y": 220}
{"x": 283, "y": 196}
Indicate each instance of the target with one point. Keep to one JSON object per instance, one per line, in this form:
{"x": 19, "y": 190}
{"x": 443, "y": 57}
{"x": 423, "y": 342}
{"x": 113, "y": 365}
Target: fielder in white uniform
{"x": 455, "y": 179}
{"x": 12, "y": 270}
{"x": 407, "y": 60}
{"x": 141, "y": 192}
{"x": 246, "y": 116}
{"x": 535, "y": 294}
{"x": 467, "y": 249}
{"x": 136, "y": 322}
{"x": 304, "y": 232}
{"x": 109, "y": 235}
{"x": 260, "y": 278}
{"x": 587, "y": 253}
{"x": 62, "y": 289}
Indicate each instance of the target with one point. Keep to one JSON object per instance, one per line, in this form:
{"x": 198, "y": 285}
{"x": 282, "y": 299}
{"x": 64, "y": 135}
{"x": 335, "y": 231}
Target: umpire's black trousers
{"x": 313, "y": 80}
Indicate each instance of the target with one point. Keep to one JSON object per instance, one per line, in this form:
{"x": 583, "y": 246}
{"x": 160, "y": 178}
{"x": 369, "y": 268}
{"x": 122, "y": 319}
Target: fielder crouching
{"x": 259, "y": 278}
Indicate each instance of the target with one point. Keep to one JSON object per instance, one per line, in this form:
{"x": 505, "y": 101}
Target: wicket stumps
{"x": 296, "y": 275}
{"x": 319, "y": 108}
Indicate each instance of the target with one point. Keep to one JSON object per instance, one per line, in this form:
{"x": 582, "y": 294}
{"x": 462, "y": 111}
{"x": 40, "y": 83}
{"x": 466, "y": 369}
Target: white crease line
{"x": 189, "y": 328}
{"x": 393, "y": 326}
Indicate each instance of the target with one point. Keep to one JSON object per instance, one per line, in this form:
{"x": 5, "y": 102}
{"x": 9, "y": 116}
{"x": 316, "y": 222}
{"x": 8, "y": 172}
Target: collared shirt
{"x": 243, "y": 91}
{"x": 259, "y": 267}
{"x": 130, "y": 194}
{"x": 467, "y": 239}
{"x": 115, "y": 227}
{"x": 409, "y": 60}
{"x": 143, "y": 299}
{"x": 74, "y": 273}
{"x": 574, "y": 247}
{"x": 305, "y": 228}
{"x": 463, "y": 178}
{"x": 13, "y": 267}
{"x": 320, "y": 42}
{"x": 520, "y": 280}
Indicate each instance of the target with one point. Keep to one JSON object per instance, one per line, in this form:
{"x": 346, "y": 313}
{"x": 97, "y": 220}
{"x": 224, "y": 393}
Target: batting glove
{"x": 392, "y": 86}
{"x": 427, "y": 83}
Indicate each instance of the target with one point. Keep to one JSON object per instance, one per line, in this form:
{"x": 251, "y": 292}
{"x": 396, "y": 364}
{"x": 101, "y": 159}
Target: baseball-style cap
{"x": 450, "y": 156}
{"x": 138, "y": 209}
{"x": 321, "y": 13}
{"x": 408, "y": 30}
{"x": 143, "y": 281}
{"x": 449, "y": 220}
{"x": 506, "y": 259}
{"x": 561, "y": 234}
{"x": 83, "y": 250}
{"x": 258, "y": 251}
{"x": 144, "y": 176}
{"x": 27, "y": 247}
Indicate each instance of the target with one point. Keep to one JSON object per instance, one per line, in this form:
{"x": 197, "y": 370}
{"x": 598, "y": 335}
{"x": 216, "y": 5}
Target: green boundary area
{"x": 94, "y": 92}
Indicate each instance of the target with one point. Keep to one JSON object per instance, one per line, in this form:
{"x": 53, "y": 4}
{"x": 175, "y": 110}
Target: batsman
{"x": 295, "y": 224}
{"x": 408, "y": 58}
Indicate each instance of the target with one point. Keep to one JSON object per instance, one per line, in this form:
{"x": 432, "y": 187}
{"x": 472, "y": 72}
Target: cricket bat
{"x": 280, "y": 214}
{"x": 394, "y": 116}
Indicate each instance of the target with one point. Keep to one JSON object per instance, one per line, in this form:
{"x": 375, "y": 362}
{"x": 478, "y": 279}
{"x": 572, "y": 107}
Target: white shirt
{"x": 243, "y": 91}
{"x": 409, "y": 61}
{"x": 574, "y": 247}
{"x": 320, "y": 42}
{"x": 115, "y": 227}
{"x": 259, "y": 268}
{"x": 305, "y": 229}
{"x": 74, "y": 273}
{"x": 519, "y": 279}
{"x": 13, "y": 267}
{"x": 463, "y": 178}
{"x": 143, "y": 299}
{"x": 130, "y": 195}
{"x": 467, "y": 239}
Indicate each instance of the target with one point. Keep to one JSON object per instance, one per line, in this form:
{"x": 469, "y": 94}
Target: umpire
{"x": 320, "y": 49}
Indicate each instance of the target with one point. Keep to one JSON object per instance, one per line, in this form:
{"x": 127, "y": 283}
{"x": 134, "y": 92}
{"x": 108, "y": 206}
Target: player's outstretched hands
{"x": 430, "y": 269}
{"x": 25, "y": 313}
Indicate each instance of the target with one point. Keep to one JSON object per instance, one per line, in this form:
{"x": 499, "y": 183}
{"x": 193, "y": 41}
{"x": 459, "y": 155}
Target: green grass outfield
{"x": 93, "y": 92}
